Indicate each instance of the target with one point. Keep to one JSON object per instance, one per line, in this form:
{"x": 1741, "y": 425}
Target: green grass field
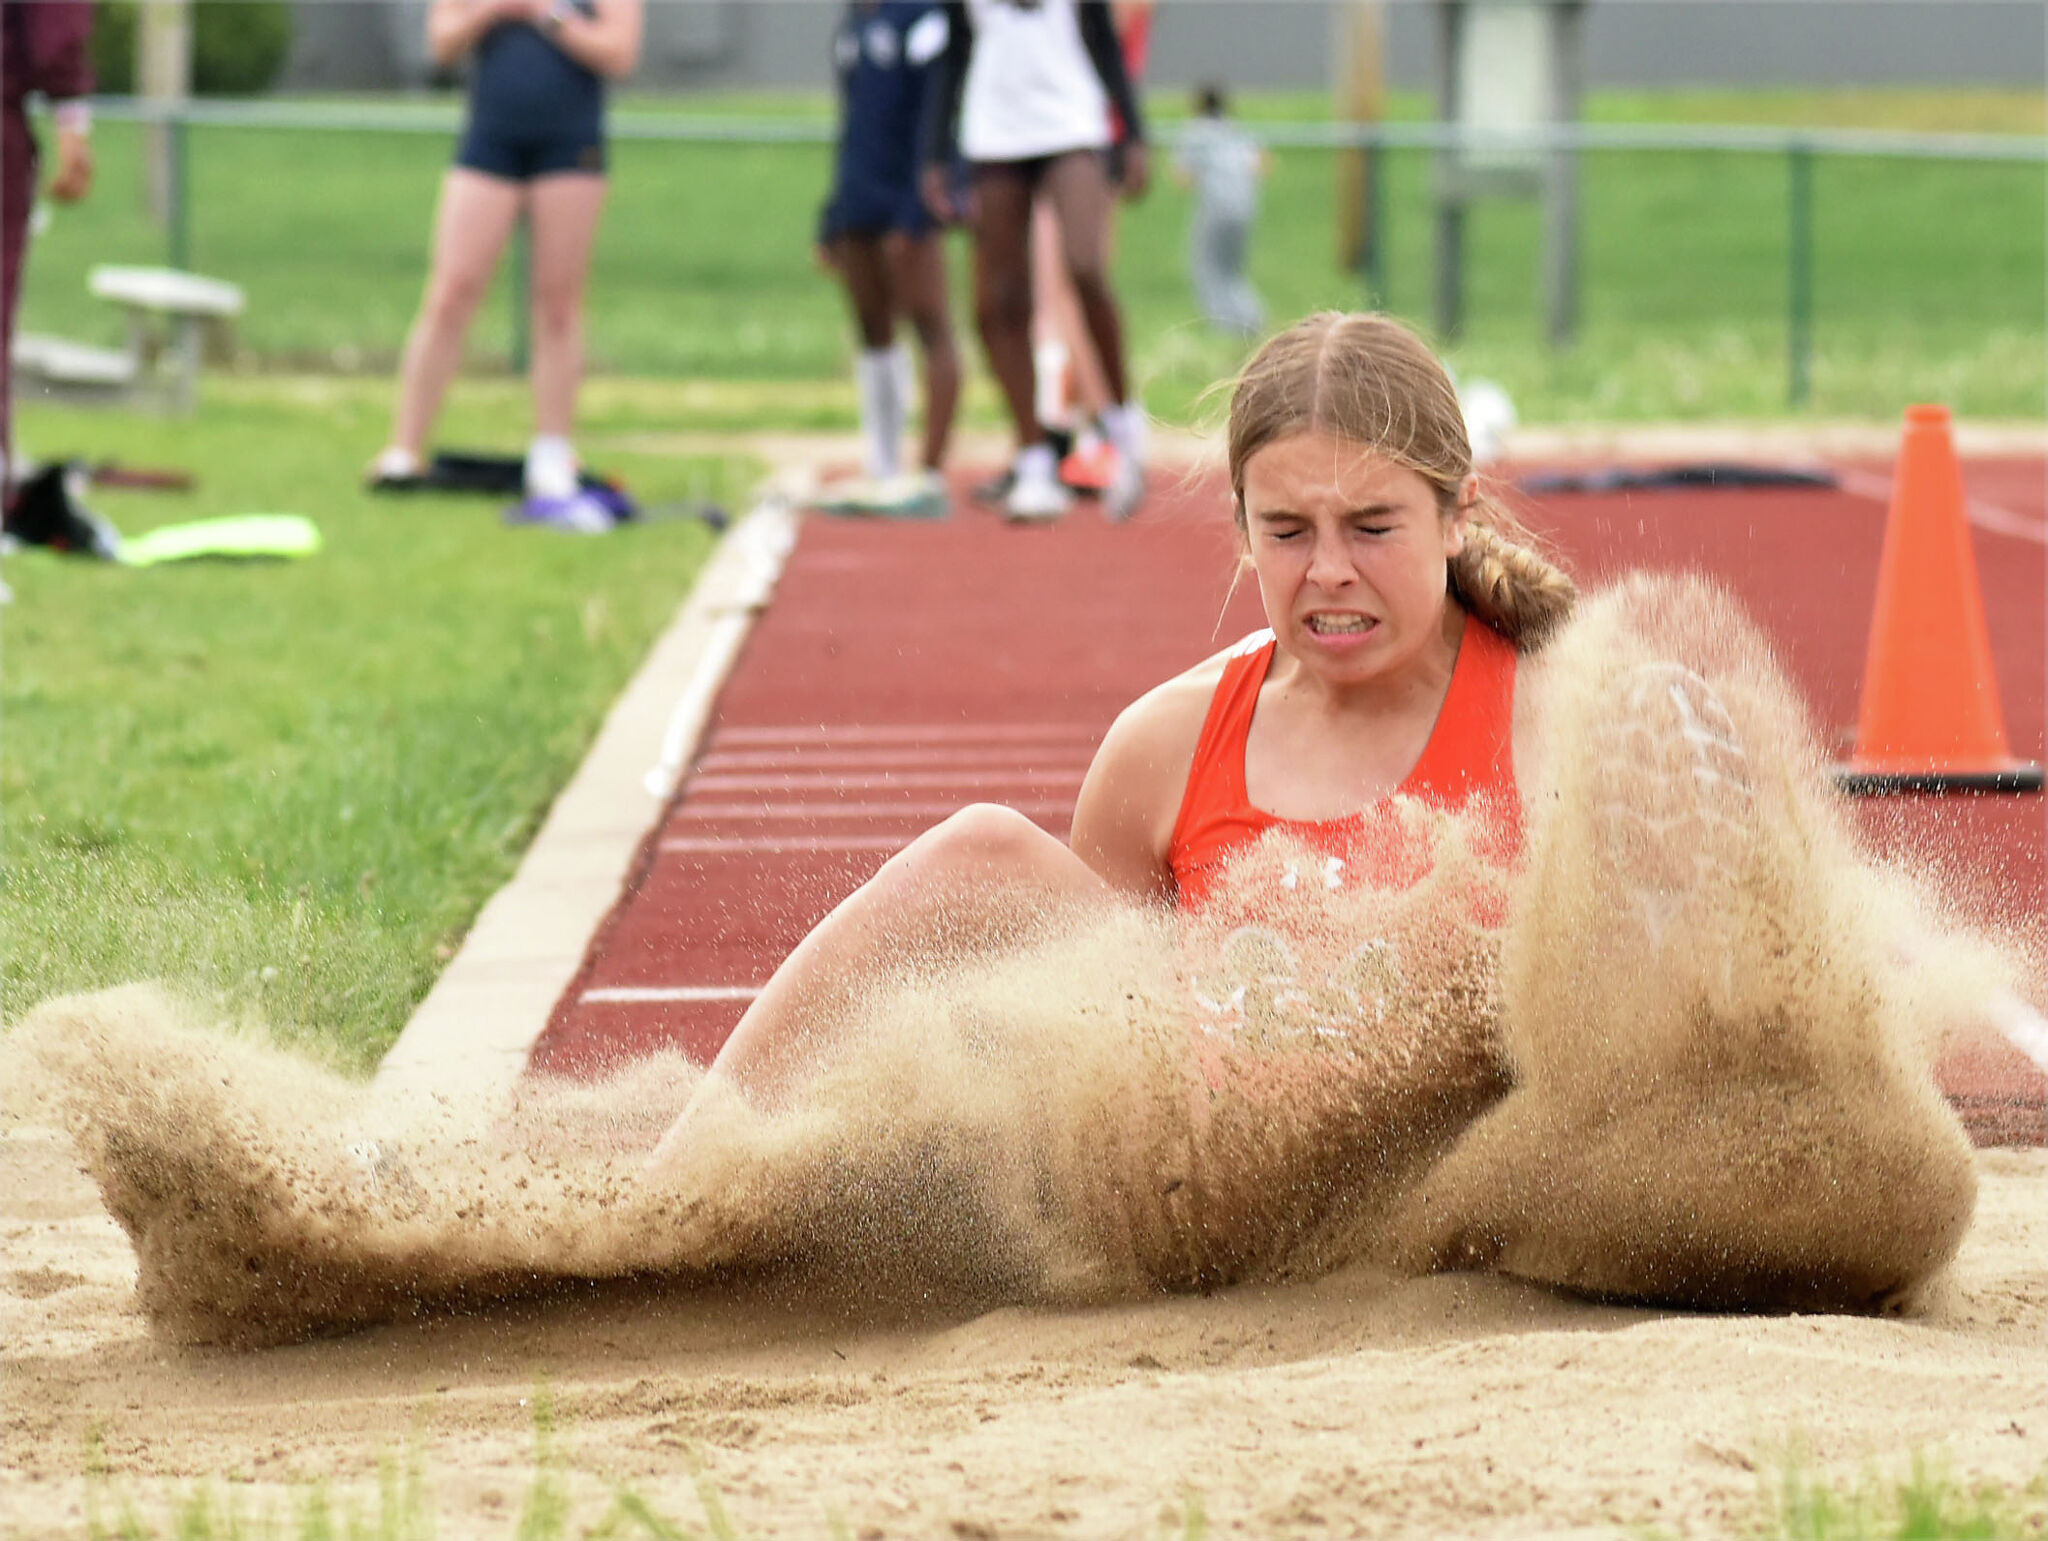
{"x": 1927, "y": 275}
{"x": 287, "y": 788}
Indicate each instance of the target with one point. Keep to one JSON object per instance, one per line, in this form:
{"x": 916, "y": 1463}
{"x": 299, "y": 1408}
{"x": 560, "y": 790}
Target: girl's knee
{"x": 452, "y": 300}
{"x": 982, "y": 835}
{"x": 556, "y": 314}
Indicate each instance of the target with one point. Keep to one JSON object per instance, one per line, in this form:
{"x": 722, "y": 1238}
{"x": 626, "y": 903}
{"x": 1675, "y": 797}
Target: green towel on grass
{"x": 235, "y": 535}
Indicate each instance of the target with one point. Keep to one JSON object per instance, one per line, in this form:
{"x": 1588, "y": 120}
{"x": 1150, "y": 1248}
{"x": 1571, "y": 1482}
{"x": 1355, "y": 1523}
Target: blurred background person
{"x": 534, "y": 145}
{"x": 1224, "y": 165}
{"x": 1025, "y": 90}
{"x": 43, "y": 48}
{"x": 1072, "y": 393}
{"x": 886, "y": 247}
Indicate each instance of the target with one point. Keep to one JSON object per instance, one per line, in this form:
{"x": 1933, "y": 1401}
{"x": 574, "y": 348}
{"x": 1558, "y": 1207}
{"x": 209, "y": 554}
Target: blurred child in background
{"x": 1224, "y": 165}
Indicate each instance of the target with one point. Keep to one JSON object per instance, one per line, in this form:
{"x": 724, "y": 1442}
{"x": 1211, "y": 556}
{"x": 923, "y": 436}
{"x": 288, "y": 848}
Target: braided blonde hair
{"x": 1367, "y": 378}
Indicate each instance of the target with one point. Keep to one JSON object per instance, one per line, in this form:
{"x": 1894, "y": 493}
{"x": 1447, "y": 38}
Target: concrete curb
{"x": 470, "y": 1036}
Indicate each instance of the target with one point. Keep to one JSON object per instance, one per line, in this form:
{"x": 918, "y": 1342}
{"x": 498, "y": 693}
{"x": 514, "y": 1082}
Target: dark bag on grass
{"x": 48, "y": 509}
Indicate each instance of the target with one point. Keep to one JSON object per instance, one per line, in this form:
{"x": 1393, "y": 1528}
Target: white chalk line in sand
{"x": 1985, "y": 516}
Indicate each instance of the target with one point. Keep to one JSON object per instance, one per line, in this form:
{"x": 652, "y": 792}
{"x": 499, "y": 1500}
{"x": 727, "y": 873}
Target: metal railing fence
{"x": 1404, "y": 158}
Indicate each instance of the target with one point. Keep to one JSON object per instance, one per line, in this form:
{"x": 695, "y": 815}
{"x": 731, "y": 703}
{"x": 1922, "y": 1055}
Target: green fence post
{"x": 522, "y": 293}
{"x": 1375, "y": 226}
{"x": 179, "y": 230}
{"x": 1799, "y": 271}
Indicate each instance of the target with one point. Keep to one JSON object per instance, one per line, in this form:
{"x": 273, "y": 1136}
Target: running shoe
{"x": 1126, "y": 489}
{"x": 995, "y": 492}
{"x": 915, "y": 495}
{"x": 582, "y": 514}
{"x": 1091, "y": 467}
{"x": 1036, "y": 496}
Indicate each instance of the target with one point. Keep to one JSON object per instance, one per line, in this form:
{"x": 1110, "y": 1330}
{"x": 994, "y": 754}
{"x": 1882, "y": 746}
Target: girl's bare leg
{"x": 474, "y": 220}
{"x": 565, "y": 214}
{"x": 1002, "y": 291}
{"x": 986, "y": 878}
{"x": 920, "y": 268}
{"x": 1716, "y": 1103}
{"x": 1077, "y": 187}
{"x": 1058, "y": 317}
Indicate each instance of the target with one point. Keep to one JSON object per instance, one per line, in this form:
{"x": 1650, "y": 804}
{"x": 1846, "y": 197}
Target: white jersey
{"x": 1031, "y": 88}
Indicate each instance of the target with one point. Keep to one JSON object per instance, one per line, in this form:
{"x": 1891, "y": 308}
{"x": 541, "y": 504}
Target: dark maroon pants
{"x": 17, "y": 195}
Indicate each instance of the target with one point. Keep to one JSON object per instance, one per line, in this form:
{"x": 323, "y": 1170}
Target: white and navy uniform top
{"x": 534, "y": 111}
{"x": 884, "y": 52}
{"x": 1025, "y": 80}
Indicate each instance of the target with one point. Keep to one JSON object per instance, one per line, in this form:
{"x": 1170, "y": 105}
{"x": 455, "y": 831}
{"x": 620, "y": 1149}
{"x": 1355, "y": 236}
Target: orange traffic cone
{"x": 1930, "y": 721}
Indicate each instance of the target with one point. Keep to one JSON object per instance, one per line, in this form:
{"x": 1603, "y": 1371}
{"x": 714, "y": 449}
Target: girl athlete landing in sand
{"x": 1450, "y": 922}
{"x": 1660, "y": 775}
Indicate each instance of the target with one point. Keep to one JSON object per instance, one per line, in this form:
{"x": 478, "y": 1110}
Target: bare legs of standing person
{"x": 1071, "y": 390}
{"x": 1076, "y": 188}
{"x": 887, "y": 277}
{"x": 563, "y": 215}
{"x": 476, "y": 217}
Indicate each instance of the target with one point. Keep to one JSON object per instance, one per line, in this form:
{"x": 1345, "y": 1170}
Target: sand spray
{"x": 1680, "y": 1052}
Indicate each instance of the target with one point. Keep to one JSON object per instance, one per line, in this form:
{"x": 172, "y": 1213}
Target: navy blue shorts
{"x": 521, "y": 158}
{"x": 875, "y": 210}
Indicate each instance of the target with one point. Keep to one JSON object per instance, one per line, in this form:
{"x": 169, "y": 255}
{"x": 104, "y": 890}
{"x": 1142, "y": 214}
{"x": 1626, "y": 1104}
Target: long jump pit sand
{"x": 1019, "y": 1262}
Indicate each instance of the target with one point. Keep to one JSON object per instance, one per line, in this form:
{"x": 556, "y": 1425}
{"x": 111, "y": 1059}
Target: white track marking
{"x": 634, "y": 995}
{"x": 910, "y": 733}
{"x": 908, "y": 757}
{"x": 702, "y": 812}
{"x": 739, "y": 845}
{"x": 826, "y": 781}
{"x": 1986, "y": 516}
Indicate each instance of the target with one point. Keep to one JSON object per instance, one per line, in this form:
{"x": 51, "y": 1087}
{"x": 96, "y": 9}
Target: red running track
{"x": 905, "y": 669}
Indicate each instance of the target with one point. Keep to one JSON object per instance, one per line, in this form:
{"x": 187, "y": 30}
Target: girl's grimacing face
{"x": 1351, "y": 553}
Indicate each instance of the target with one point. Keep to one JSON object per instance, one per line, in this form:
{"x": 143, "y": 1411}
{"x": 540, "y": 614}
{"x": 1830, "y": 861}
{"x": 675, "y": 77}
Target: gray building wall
{"x": 781, "y": 44}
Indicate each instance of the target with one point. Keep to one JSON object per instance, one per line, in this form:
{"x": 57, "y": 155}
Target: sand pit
{"x": 1353, "y": 1405}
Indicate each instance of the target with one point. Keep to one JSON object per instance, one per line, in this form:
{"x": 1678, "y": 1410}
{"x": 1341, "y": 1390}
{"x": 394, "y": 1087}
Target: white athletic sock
{"x": 903, "y": 377}
{"x": 396, "y": 463}
{"x": 1049, "y": 366}
{"x": 1126, "y": 427}
{"x": 1037, "y": 463}
{"x": 881, "y": 417}
{"x": 550, "y": 467}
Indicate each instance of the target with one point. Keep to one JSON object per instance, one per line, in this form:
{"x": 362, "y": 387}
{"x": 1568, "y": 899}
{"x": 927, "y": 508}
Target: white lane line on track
{"x": 826, "y": 734}
{"x": 908, "y": 757}
{"x": 1985, "y": 516}
{"x": 633, "y": 995}
{"x": 826, "y": 781}
{"x": 698, "y": 813}
{"x": 736, "y": 845}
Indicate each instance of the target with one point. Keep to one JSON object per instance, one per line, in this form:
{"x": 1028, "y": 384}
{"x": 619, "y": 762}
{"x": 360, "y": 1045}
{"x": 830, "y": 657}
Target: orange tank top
{"x": 1470, "y": 753}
